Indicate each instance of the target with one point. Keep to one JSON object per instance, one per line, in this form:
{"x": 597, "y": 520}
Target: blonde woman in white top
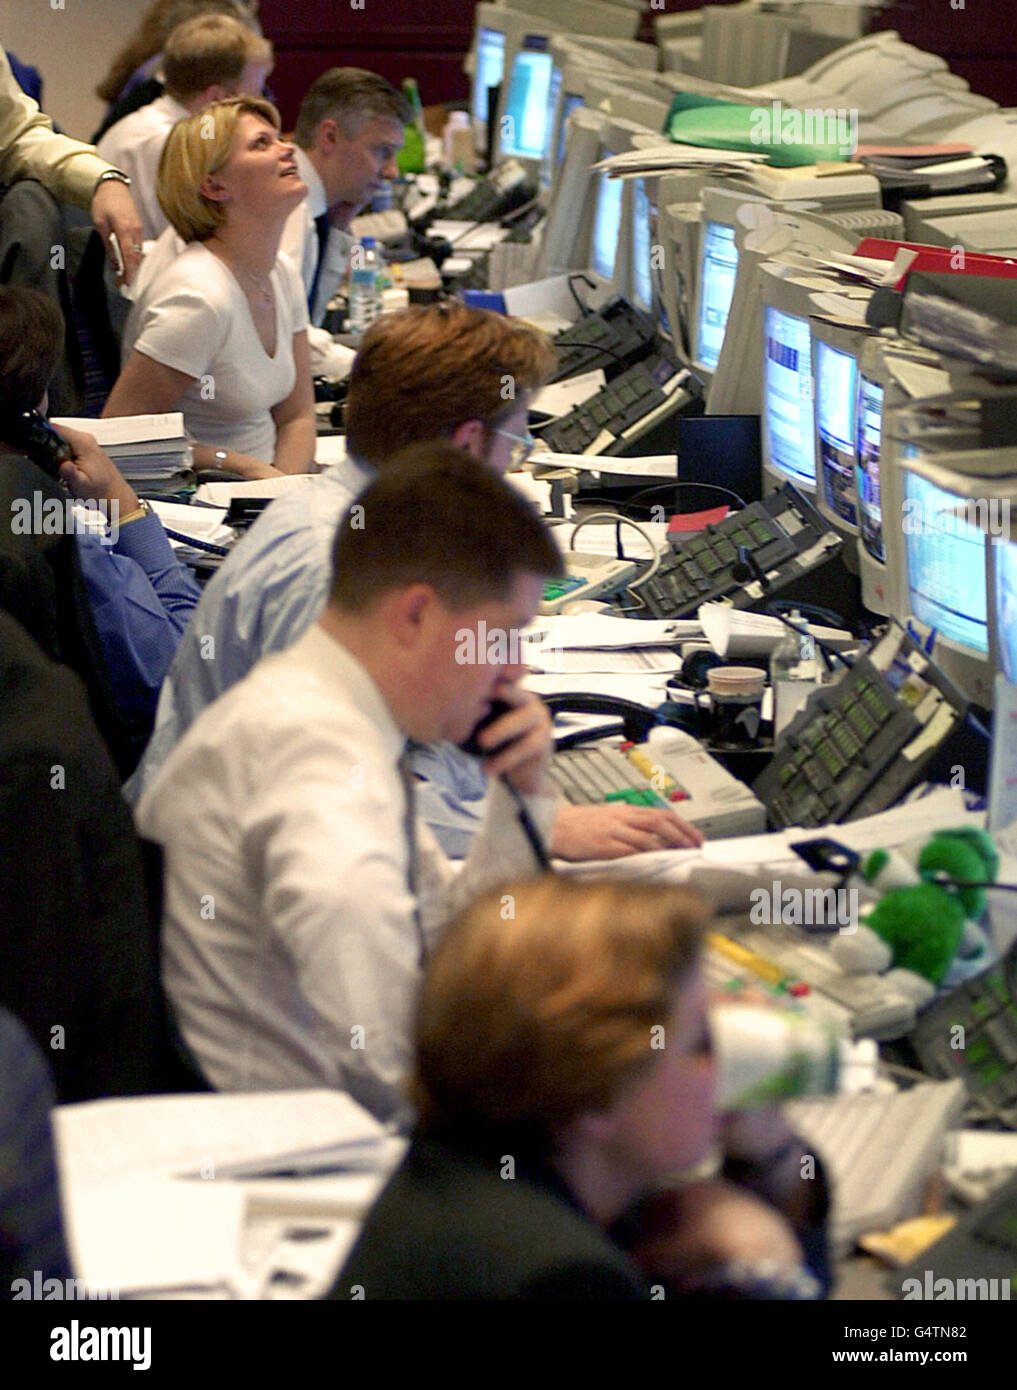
{"x": 221, "y": 332}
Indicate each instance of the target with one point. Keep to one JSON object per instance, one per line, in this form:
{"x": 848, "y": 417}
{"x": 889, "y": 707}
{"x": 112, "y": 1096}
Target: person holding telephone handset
{"x": 289, "y": 803}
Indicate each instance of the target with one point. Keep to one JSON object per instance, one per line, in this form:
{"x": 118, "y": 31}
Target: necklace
{"x": 262, "y": 284}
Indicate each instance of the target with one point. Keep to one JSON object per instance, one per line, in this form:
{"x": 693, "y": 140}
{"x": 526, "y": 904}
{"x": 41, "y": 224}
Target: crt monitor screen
{"x": 788, "y": 420}
{"x": 869, "y": 434}
{"x": 1005, "y": 556}
{"x": 607, "y": 226}
{"x": 836, "y": 374}
{"x": 945, "y": 564}
{"x": 490, "y": 68}
{"x": 642, "y": 278}
{"x": 718, "y": 269}
{"x": 525, "y": 122}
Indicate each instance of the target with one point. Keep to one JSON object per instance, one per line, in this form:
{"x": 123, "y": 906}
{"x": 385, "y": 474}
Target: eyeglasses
{"x": 522, "y": 446}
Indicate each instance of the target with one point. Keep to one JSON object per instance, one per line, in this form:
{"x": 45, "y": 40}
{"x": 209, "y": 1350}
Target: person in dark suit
{"x": 564, "y": 1073}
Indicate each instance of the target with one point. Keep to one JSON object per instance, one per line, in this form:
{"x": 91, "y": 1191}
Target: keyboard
{"x": 785, "y": 534}
{"x": 597, "y": 426}
{"x": 878, "y": 1150}
{"x": 840, "y": 757}
{"x": 684, "y": 777}
{"x": 868, "y": 1005}
{"x": 598, "y": 340}
{"x": 985, "y": 1009}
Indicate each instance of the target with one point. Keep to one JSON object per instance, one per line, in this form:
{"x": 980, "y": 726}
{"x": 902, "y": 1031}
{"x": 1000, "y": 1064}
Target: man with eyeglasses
{"x": 441, "y": 372}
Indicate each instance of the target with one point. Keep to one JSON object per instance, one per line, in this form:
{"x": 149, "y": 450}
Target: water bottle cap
{"x": 368, "y": 243}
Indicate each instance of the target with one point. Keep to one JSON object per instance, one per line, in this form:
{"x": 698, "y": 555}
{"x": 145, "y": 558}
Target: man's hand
{"x": 615, "y": 829}
{"x": 526, "y": 732}
{"x": 92, "y": 474}
{"x": 113, "y": 210}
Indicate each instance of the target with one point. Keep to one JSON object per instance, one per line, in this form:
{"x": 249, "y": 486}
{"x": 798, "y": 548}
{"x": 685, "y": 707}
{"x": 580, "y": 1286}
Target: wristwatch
{"x": 109, "y": 174}
{"x": 143, "y": 509}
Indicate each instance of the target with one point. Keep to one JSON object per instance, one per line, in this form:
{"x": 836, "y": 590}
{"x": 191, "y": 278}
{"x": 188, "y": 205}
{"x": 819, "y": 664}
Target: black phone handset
{"x": 471, "y": 745}
{"x": 30, "y": 434}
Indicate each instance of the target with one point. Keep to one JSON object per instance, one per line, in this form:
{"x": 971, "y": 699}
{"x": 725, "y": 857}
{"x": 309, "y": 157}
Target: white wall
{"x": 71, "y": 42}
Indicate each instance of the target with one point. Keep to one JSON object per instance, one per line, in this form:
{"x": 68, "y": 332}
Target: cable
{"x": 529, "y": 829}
{"x": 620, "y": 521}
{"x": 196, "y": 544}
{"x": 590, "y": 284}
{"x": 592, "y": 347}
{"x": 679, "y": 483}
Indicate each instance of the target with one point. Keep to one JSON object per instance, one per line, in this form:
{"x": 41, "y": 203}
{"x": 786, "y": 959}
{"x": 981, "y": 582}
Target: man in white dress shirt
{"x": 206, "y": 59}
{"x": 348, "y": 134}
{"x": 302, "y": 894}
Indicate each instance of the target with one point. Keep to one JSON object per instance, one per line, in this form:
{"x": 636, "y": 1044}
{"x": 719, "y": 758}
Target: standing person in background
{"x": 130, "y": 82}
{"x": 31, "y": 149}
{"x": 205, "y": 60}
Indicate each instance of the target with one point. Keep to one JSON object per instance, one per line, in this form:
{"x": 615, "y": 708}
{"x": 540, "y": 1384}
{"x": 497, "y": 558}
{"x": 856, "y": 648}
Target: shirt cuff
{"x": 146, "y": 542}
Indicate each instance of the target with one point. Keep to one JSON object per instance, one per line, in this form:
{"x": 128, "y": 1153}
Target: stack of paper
{"x": 151, "y": 1186}
{"x": 151, "y": 451}
{"x": 669, "y": 156}
{"x": 206, "y": 524}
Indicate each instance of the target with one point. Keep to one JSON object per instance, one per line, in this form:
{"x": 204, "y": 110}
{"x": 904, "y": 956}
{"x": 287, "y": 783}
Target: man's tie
{"x": 410, "y": 830}
{"x": 321, "y": 226}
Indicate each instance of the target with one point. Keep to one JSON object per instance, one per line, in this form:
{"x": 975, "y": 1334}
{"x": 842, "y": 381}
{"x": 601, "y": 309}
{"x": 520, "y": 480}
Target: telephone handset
{"x": 637, "y": 720}
{"x": 470, "y": 744}
{"x": 30, "y": 434}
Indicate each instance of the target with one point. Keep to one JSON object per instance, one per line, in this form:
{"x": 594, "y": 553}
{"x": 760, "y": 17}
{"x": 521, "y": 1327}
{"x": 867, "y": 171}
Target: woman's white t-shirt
{"x": 194, "y": 317}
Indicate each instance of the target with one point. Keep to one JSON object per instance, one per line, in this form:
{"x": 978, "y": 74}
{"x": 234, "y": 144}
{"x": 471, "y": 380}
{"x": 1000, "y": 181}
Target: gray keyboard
{"x": 878, "y": 1150}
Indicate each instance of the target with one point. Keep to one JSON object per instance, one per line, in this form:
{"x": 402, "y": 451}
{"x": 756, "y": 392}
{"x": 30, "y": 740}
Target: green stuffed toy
{"x": 925, "y": 929}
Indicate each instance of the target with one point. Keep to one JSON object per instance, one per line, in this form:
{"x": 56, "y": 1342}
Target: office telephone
{"x": 502, "y": 191}
{"x": 972, "y": 1035}
{"x": 616, "y": 336}
{"x": 748, "y": 557}
{"x": 471, "y": 744}
{"x": 856, "y": 747}
{"x": 616, "y": 421}
{"x": 27, "y": 432}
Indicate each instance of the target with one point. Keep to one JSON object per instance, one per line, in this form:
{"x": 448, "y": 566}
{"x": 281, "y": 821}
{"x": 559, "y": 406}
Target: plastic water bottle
{"x": 365, "y": 293}
{"x": 792, "y": 673}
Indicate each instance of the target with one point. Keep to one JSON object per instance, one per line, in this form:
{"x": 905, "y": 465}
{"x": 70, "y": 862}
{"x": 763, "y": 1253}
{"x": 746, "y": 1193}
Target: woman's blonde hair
{"x": 197, "y": 146}
{"x": 540, "y": 1004}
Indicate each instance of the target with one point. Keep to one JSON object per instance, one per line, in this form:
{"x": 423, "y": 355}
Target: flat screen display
{"x": 1006, "y": 608}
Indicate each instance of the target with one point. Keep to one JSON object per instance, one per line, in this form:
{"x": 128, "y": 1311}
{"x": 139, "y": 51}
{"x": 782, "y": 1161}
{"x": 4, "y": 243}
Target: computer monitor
{"x": 943, "y": 580}
{"x": 489, "y": 68}
{"x": 781, "y": 231}
{"x": 723, "y": 229}
{"x": 788, "y": 419}
{"x": 1002, "y": 590}
{"x": 836, "y": 350}
{"x": 611, "y": 20}
{"x": 526, "y": 118}
{"x": 572, "y": 206}
{"x": 891, "y": 373}
{"x": 607, "y": 225}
